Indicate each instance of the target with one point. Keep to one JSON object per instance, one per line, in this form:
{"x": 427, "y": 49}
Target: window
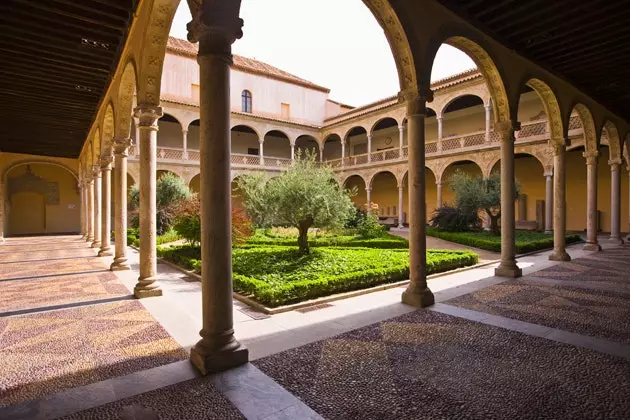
{"x": 285, "y": 110}
{"x": 246, "y": 101}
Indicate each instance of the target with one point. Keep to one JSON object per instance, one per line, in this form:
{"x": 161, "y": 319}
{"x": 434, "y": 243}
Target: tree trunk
{"x": 494, "y": 222}
{"x": 303, "y": 227}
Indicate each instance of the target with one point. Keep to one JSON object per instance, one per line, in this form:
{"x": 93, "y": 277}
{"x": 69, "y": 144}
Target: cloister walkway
{"x": 553, "y": 344}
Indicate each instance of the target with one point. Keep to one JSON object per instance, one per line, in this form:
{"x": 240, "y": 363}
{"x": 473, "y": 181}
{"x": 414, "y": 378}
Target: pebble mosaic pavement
{"x": 48, "y": 351}
{"x": 589, "y": 296}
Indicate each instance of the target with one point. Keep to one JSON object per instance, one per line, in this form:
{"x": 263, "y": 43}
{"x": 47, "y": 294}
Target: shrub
{"x": 355, "y": 218}
{"x": 385, "y": 241}
{"x": 369, "y": 227}
{"x": 455, "y": 219}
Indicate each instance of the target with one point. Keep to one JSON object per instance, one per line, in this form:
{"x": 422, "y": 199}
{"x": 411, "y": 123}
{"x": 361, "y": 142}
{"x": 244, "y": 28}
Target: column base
{"x": 120, "y": 264}
{"x": 105, "y": 252}
{"x": 96, "y": 244}
{"x": 508, "y": 269}
{"x": 418, "y": 297}
{"x": 592, "y": 246}
{"x": 559, "y": 256}
{"x": 548, "y": 232}
{"x": 147, "y": 287}
{"x": 617, "y": 241}
{"x": 219, "y": 360}
{"x": 89, "y": 240}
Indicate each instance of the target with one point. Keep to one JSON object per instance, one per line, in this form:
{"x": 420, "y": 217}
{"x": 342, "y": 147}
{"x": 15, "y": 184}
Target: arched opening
{"x": 386, "y": 139}
{"x": 195, "y": 184}
{"x": 192, "y": 137}
{"x": 277, "y": 145}
{"x": 464, "y": 116}
{"x": 130, "y": 182}
{"x": 306, "y": 144}
{"x": 356, "y": 141}
{"x": 384, "y": 196}
{"x": 332, "y": 147}
{"x": 244, "y": 141}
{"x": 530, "y": 176}
{"x": 430, "y": 194}
{"x": 41, "y": 198}
{"x": 357, "y": 183}
{"x": 170, "y": 133}
{"x": 161, "y": 172}
{"x": 126, "y": 91}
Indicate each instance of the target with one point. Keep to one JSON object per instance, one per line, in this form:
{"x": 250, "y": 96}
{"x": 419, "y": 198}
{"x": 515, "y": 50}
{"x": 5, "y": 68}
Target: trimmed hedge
{"x": 133, "y": 237}
{"x": 387, "y": 241}
{"x": 525, "y": 241}
{"x": 278, "y": 276}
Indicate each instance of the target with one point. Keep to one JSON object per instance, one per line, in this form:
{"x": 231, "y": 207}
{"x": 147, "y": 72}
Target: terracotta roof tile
{"x": 249, "y": 65}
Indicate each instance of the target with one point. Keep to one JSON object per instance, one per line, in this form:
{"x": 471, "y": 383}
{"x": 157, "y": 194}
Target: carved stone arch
{"x": 126, "y": 90}
{"x": 96, "y": 147}
{"x": 487, "y": 160}
{"x": 551, "y": 107}
{"x": 109, "y": 131}
{"x": 256, "y": 129}
{"x": 236, "y": 173}
{"x": 588, "y": 125}
{"x": 345, "y": 177}
{"x": 626, "y": 150}
{"x": 349, "y": 129}
{"x": 161, "y": 18}
{"x": 614, "y": 140}
{"x": 279, "y": 130}
{"x": 462, "y": 38}
{"x": 24, "y": 162}
{"x": 447, "y": 162}
{"x": 376, "y": 120}
{"x": 542, "y": 153}
{"x": 381, "y": 171}
{"x": 455, "y": 96}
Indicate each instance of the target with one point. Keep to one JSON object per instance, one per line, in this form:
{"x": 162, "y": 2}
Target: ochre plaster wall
{"x": 28, "y": 213}
{"x": 529, "y": 174}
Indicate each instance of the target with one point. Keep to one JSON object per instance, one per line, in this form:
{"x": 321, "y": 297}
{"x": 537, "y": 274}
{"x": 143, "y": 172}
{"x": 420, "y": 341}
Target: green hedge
{"x": 278, "y": 276}
{"x": 133, "y": 237}
{"x": 525, "y": 241}
{"x": 387, "y": 241}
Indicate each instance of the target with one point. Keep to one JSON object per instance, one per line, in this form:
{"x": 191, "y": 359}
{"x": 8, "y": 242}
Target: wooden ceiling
{"x": 586, "y": 42}
{"x": 57, "y": 59}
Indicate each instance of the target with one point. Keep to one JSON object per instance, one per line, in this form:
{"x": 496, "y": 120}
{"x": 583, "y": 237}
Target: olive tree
{"x": 305, "y": 195}
{"x": 473, "y": 194}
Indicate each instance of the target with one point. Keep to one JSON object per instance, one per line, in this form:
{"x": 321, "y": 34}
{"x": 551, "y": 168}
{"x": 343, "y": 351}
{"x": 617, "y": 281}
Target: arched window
{"x": 246, "y": 101}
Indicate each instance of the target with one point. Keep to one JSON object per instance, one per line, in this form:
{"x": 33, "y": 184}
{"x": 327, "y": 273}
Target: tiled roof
{"x": 249, "y": 65}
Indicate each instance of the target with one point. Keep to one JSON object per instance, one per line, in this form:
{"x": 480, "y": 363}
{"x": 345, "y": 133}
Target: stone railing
{"x": 532, "y": 128}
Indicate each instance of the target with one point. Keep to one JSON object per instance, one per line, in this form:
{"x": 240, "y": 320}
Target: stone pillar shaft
{"x": 147, "y": 285}
{"x": 560, "y": 204}
{"x": 261, "y": 152}
{"x": 440, "y": 127}
{"x": 507, "y": 267}
{"x": 488, "y": 121}
{"x": 106, "y": 213}
{"x": 369, "y": 147}
{"x": 292, "y": 152}
{"x": 615, "y": 202}
{"x": 549, "y": 192}
{"x": 401, "y": 213}
{"x": 401, "y": 139}
{"x": 81, "y": 209}
{"x": 97, "y": 208}
{"x": 417, "y": 293}
{"x": 628, "y": 237}
{"x": 185, "y": 143}
{"x": 218, "y": 349}
{"x": 439, "y": 194}
{"x": 121, "y": 150}
{"x": 89, "y": 210}
{"x": 591, "y": 201}
{"x": 368, "y": 193}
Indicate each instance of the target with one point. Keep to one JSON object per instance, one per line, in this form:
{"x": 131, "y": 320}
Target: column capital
{"x": 591, "y": 157}
{"x": 401, "y": 128}
{"x": 96, "y": 171}
{"x": 122, "y": 145}
{"x": 557, "y": 147}
{"x": 148, "y": 115}
{"x": 416, "y": 99}
{"x": 488, "y": 107}
{"x": 215, "y": 25}
{"x": 614, "y": 164}
{"x": 106, "y": 162}
{"x": 506, "y": 129}
{"x": 548, "y": 174}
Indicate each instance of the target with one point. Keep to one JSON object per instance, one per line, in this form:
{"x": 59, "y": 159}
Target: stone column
{"x": 368, "y": 193}
{"x": 218, "y": 349}
{"x": 440, "y": 128}
{"x": 321, "y": 154}
{"x": 343, "y": 151}
{"x": 121, "y": 152}
{"x": 560, "y": 203}
{"x": 615, "y": 201}
{"x": 106, "y": 209}
{"x": 417, "y": 292}
{"x": 488, "y": 108}
{"x": 97, "y": 207}
{"x": 549, "y": 191}
{"x": 439, "y": 194}
{"x": 369, "y": 148}
{"x": 81, "y": 208}
{"x": 401, "y": 139}
{"x": 185, "y": 143}
{"x": 591, "y": 201}
{"x": 89, "y": 208}
{"x": 628, "y": 237}
{"x": 292, "y": 152}
{"x": 261, "y": 153}
{"x": 507, "y": 267}
{"x": 148, "y": 117}
{"x": 401, "y": 213}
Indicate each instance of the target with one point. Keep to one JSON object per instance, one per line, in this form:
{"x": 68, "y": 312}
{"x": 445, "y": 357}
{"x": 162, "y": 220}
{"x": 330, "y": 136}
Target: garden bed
{"x": 288, "y": 237}
{"x": 278, "y": 275}
{"x": 525, "y": 241}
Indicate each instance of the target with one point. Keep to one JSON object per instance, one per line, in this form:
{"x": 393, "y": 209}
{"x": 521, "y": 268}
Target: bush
{"x": 187, "y": 221}
{"x": 369, "y": 227}
{"x": 133, "y": 237}
{"x": 280, "y": 275}
{"x": 355, "y": 218}
{"x": 454, "y": 219}
{"x": 385, "y": 241}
